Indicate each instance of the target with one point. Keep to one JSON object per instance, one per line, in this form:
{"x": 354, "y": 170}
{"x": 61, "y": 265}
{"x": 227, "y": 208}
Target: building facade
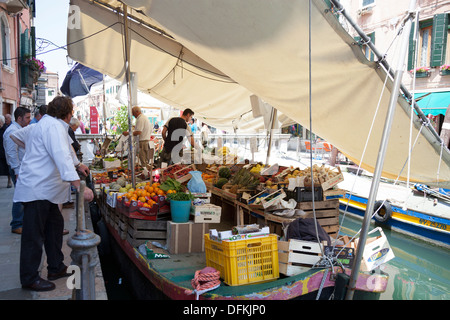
{"x": 428, "y": 55}
{"x": 19, "y": 71}
{"x": 47, "y": 88}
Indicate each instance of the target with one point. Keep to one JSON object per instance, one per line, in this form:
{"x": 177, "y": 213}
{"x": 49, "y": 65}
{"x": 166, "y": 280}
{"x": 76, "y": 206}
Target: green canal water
{"x": 419, "y": 271}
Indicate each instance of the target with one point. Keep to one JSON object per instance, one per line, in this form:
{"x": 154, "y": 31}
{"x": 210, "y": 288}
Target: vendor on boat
{"x": 173, "y": 134}
{"x": 144, "y": 130}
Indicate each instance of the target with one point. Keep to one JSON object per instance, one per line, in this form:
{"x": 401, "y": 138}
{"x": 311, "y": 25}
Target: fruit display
{"x": 221, "y": 182}
{"x": 169, "y": 172}
{"x": 146, "y": 194}
{"x": 208, "y": 177}
{"x": 319, "y": 174}
{"x": 224, "y": 172}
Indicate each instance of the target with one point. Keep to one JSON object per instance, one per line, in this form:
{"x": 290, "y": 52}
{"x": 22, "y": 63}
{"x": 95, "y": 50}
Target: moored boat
{"x": 401, "y": 209}
{"x": 172, "y": 278}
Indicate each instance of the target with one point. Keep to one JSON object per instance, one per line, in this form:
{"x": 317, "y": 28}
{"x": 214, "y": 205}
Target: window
{"x": 4, "y": 29}
{"x": 431, "y": 42}
{"x": 366, "y": 3}
{"x": 424, "y": 47}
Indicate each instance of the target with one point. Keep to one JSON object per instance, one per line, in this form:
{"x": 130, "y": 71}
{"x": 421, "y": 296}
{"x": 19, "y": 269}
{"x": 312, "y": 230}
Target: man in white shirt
{"x": 143, "y": 129}
{"x": 14, "y": 155}
{"x": 46, "y": 173}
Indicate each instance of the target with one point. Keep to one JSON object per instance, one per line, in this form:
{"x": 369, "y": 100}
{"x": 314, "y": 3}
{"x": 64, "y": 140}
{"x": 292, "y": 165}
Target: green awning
{"x": 433, "y": 103}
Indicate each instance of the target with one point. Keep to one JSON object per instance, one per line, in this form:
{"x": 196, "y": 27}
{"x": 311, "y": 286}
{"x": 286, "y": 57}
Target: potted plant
{"x": 444, "y": 69}
{"x": 36, "y": 66}
{"x": 421, "y": 72}
{"x": 180, "y": 205}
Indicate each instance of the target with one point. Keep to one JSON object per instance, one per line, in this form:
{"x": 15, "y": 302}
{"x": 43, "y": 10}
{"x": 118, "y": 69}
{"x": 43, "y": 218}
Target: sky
{"x": 51, "y": 24}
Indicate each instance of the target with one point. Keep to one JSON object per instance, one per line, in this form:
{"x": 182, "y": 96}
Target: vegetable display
{"x": 225, "y": 172}
{"x": 171, "y": 184}
{"x": 180, "y": 196}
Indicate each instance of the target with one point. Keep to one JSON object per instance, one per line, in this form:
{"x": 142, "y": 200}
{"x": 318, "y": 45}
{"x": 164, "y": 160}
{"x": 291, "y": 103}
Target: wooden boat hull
{"x": 172, "y": 278}
{"x": 412, "y": 222}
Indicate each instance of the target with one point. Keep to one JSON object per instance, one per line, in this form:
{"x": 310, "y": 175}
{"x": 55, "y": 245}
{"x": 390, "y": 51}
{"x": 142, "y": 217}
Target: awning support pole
{"x": 272, "y": 124}
{"x": 381, "y": 155}
{"x": 128, "y": 79}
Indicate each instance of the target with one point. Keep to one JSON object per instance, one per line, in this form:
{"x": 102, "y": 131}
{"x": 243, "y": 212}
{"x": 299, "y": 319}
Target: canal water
{"x": 419, "y": 271}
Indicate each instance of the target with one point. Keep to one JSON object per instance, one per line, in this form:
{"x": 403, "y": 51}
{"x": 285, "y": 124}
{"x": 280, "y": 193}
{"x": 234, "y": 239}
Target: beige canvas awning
{"x": 212, "y": 56}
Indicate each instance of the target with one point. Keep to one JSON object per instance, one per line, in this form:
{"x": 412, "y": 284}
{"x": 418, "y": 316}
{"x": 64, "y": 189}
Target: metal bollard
{"x": 84, "y": 250}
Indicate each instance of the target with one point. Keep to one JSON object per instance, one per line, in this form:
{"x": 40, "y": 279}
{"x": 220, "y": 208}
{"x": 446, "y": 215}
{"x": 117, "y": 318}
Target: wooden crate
{"x": 327, "y": 214}
{"x": 296, "y": 256}
{"x": 138, "y": 231}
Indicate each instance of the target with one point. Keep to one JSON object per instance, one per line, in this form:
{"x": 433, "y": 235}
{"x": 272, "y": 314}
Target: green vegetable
{"x": 219, "y": 184}
{"x": 171, "y": 184}
{"x": 180, "y": 196}
{"x": 244, "y": 179}
{"x": 225, "y": 172}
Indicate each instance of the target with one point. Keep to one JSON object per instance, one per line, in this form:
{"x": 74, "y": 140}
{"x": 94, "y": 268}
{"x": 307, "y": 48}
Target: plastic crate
{"x": 244, "y": 261}
{"x": 305, "y": 194}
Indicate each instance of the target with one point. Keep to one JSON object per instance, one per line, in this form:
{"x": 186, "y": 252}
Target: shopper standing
{"x": 46, "y": 173}
{"x": 14, "y": 155}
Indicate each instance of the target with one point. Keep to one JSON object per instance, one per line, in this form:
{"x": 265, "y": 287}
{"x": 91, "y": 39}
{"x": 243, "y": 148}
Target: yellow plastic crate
{"x": 244, "y": 261}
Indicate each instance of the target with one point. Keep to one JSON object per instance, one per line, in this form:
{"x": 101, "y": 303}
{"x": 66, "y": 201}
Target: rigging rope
{"x": 204, "y": 280}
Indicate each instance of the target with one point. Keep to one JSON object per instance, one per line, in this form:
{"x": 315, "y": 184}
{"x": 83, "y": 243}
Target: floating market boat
{"x": 172, "y": 277}
{"x": 215, "y": 59}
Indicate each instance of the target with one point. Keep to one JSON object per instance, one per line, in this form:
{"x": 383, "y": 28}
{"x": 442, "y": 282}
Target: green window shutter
{"x": 411, "y": 48}
{"x": 372, "y": 39}
{"x": 25, "y": 49}
{"x": 439, "y": 39}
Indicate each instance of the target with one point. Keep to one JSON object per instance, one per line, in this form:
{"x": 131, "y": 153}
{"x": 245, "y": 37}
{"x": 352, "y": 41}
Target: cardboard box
{"x": 186, "y": 237}
{"x": 228, "y": 235}
{"x": 208, "y": 213}
{"x": 376, "y": 252}
{"x": 111, "y": 164}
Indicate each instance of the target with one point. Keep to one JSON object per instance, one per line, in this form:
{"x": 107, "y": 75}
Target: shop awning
{"x": 433, "y": 103}
{"x": 212, "y": 56}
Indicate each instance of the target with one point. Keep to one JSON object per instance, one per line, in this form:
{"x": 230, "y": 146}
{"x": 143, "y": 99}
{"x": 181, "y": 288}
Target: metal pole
{"x": 274, "y": 115}
{"x": 104, "y": 106}
{"x": 84, "y": 250}
{"x": 381, "y": 155}
{"x": 128, "y": 79}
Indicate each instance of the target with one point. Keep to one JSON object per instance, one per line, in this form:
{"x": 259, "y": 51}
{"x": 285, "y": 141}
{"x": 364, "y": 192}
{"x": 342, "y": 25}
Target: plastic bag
{"x": 196, "y": 184}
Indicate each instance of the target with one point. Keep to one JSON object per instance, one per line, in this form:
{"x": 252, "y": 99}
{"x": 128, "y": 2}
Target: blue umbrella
{"x": 79, "y": 80}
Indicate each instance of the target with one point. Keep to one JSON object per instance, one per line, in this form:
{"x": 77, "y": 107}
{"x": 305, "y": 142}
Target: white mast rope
{"x": 440, "y": 160}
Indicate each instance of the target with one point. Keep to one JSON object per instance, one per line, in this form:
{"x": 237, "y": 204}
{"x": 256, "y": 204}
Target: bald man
{"x": 143, "y": 129}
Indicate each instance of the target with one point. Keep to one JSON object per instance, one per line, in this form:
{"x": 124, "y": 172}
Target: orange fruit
{"x": 152, "y": 194}
{"x": 150, "y": 189}
{"x": 160, "y": 192}
{"x": 142, "y": 199}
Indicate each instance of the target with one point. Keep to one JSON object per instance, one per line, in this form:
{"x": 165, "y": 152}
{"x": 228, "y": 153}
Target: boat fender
{"x": 383, "y": 210}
